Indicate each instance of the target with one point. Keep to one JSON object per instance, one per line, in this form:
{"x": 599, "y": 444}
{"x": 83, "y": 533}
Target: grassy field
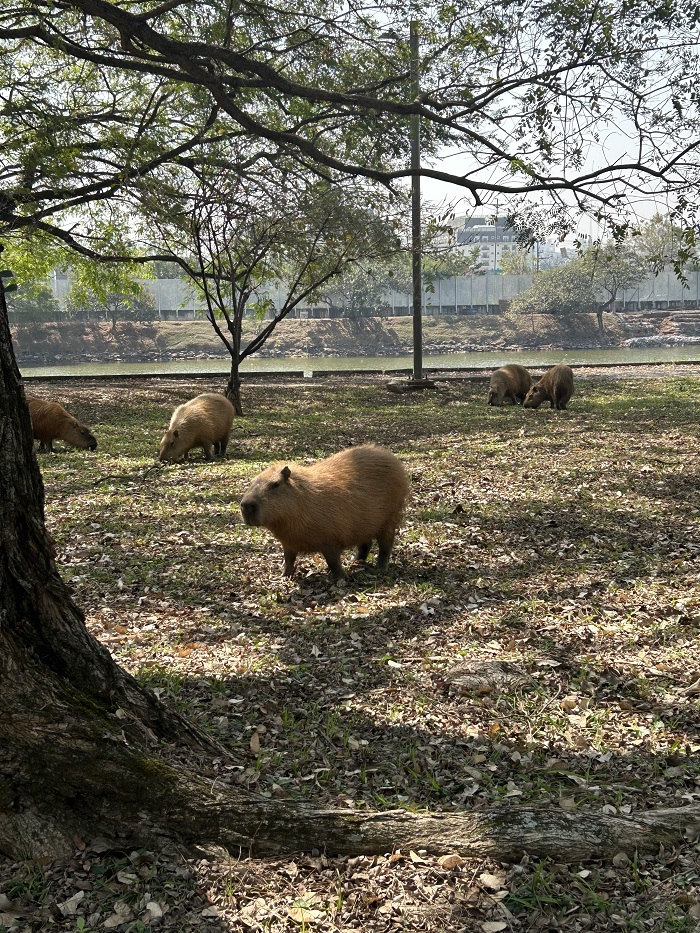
{"x": 535, "y": 640}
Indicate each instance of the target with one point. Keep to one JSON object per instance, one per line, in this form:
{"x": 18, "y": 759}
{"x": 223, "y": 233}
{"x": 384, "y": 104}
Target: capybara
{"x": 204, "y": 421}
{"x": 557, "y": 386}
{"x": 512, "y": 381}
{"x": 51, "y": 422}
{"x": 345, "y": 501}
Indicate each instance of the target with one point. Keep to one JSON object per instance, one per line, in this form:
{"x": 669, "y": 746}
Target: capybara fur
{"x": 509, "y": 382}
{"x": 556, "y": 386}
{"x": 51, "y": 422}
{"x": 204, "y": 421}
{"x": 348, "y": 500}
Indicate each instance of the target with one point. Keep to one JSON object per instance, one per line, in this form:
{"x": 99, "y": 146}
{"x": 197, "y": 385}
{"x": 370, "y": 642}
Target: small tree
{"x": 566, "y": 289}
{"x": 133, "y": 304}
{"x": 659, "y": 243}
{"x": 611, "y": 267}
{"x": 590, "y": 282}
{"x": 447, "y": 264}
{"x": 296, "y": 231}
{"x": 359, "y": 289}
{"x": 518, "y": 262}
{"x": 34, "y": 301}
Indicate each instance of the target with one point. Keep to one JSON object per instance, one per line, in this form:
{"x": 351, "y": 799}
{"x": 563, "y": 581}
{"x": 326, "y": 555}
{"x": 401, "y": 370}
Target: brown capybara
{"x": 509, "y": 382}
{"x": 204, "y": 421}
{"x": 51, "y": 422}
{"x": 556, "y": 386}
{"x": 347, "y": 500}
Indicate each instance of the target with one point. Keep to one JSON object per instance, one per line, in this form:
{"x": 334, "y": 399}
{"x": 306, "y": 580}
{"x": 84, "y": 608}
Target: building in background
{"x": 495, "y": 239}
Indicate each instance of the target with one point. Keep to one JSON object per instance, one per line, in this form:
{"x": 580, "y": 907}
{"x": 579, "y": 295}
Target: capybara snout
{"x": 249, "y": 510}
{"x": 347, "y": 500}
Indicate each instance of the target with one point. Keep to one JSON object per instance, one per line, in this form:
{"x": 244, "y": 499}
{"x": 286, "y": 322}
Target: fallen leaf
{"x": 450, "y": 861}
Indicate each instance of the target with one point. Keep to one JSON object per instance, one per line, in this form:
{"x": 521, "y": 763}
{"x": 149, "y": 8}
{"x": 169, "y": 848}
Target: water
{"x": 387, "y": 364}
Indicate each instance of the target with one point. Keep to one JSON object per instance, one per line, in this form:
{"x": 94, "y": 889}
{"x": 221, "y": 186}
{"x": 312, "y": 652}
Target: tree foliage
{"x": 98, "y": 96}
{"x": 590, "y": 282}
{"x": 132, "y": 304}
{"x": 566, "y": 289}
{"x": 33, "y": 301}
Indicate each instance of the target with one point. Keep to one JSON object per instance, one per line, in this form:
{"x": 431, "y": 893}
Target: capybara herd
{"x": 348, "y": 500}
{"x": 514, "y": 382}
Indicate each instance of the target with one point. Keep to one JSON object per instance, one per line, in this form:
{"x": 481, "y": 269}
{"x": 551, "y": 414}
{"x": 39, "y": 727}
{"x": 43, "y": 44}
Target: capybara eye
{"x": 274, "y": 485}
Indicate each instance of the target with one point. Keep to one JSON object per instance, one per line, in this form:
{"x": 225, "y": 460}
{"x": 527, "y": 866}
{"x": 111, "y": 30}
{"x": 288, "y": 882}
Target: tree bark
{"x": 233, "y": 388}
{"x": 601, "y": 330}
{"x": 83, "y": 747}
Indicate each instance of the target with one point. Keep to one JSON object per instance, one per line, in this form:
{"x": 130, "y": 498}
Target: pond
{"x": 314, "y": 364}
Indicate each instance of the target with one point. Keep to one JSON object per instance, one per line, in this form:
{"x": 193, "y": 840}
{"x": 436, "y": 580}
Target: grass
{"x": 563, "y": 545}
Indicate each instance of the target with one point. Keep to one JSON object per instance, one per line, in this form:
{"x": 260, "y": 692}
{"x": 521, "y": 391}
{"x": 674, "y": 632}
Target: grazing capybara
{"x": 345, "y": 501}
{"x": 51, "y": 422}
{"x": 512, "y": 381}
{"x": 557, "y": 386}
{"x": 204, "y": 421}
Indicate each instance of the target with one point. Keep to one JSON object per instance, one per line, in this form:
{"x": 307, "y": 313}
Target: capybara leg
{"x": 363, "y": 551}
{"x": 290, "y": 558}
{"x": 207, "y": 451}
{"x": 217, "y": 448}
{"x": 385, "y": 540}
{"x": 332, "y": 556}
{"x": 223, "y": 444}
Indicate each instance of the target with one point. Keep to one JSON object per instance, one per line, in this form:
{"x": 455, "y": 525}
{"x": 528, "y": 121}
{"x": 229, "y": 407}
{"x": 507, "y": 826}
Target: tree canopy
{"x": 583, "y": 107}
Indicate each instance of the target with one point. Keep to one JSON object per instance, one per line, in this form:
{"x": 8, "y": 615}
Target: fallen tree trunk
{"x": 97, "y": 776}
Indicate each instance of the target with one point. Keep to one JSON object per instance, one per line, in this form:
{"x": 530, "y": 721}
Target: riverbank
{"x": 159, "y": 341}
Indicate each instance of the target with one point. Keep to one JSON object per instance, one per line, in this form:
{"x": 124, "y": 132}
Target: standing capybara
{"x": 204, "y": 421}
{"x": 345, "y": 501}
{"x": 557, "y": 386}
{"x": 512, "y": 381}
{"x": 51, "y": 422}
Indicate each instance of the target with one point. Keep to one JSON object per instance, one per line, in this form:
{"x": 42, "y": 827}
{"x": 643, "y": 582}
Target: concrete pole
{"x": 416, "y": 244}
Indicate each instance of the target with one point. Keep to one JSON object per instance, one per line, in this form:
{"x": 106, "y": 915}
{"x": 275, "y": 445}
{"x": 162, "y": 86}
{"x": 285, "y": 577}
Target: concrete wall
{"x": 462, "y": 295}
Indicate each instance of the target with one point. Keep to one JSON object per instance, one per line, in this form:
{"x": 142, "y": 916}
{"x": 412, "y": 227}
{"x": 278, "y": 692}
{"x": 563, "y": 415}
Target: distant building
{"x": 495, "y": 239}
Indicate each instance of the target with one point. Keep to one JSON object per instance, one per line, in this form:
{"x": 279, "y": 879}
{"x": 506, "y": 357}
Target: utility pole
{"x": 418, "y": 381}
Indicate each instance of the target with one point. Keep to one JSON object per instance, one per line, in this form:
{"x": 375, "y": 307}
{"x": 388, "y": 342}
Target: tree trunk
{"x": 601, "y": 330}
{"x": 233, "y": 387}
{"x": 83, "y": 747}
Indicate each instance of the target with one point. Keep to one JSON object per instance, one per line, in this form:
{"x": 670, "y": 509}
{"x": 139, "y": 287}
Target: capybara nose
{"x": 93, "y": 446}
{"x": 248, "y": 511}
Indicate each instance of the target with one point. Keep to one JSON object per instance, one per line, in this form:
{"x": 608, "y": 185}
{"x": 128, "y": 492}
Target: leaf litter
{"x": 535, "y": 641}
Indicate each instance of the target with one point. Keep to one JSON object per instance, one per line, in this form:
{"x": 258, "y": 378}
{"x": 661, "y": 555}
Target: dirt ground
{"x": 560, "y": 548}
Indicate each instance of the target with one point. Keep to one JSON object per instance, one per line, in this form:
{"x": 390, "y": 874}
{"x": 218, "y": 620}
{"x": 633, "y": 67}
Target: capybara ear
{"x": 285, "y": 472}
